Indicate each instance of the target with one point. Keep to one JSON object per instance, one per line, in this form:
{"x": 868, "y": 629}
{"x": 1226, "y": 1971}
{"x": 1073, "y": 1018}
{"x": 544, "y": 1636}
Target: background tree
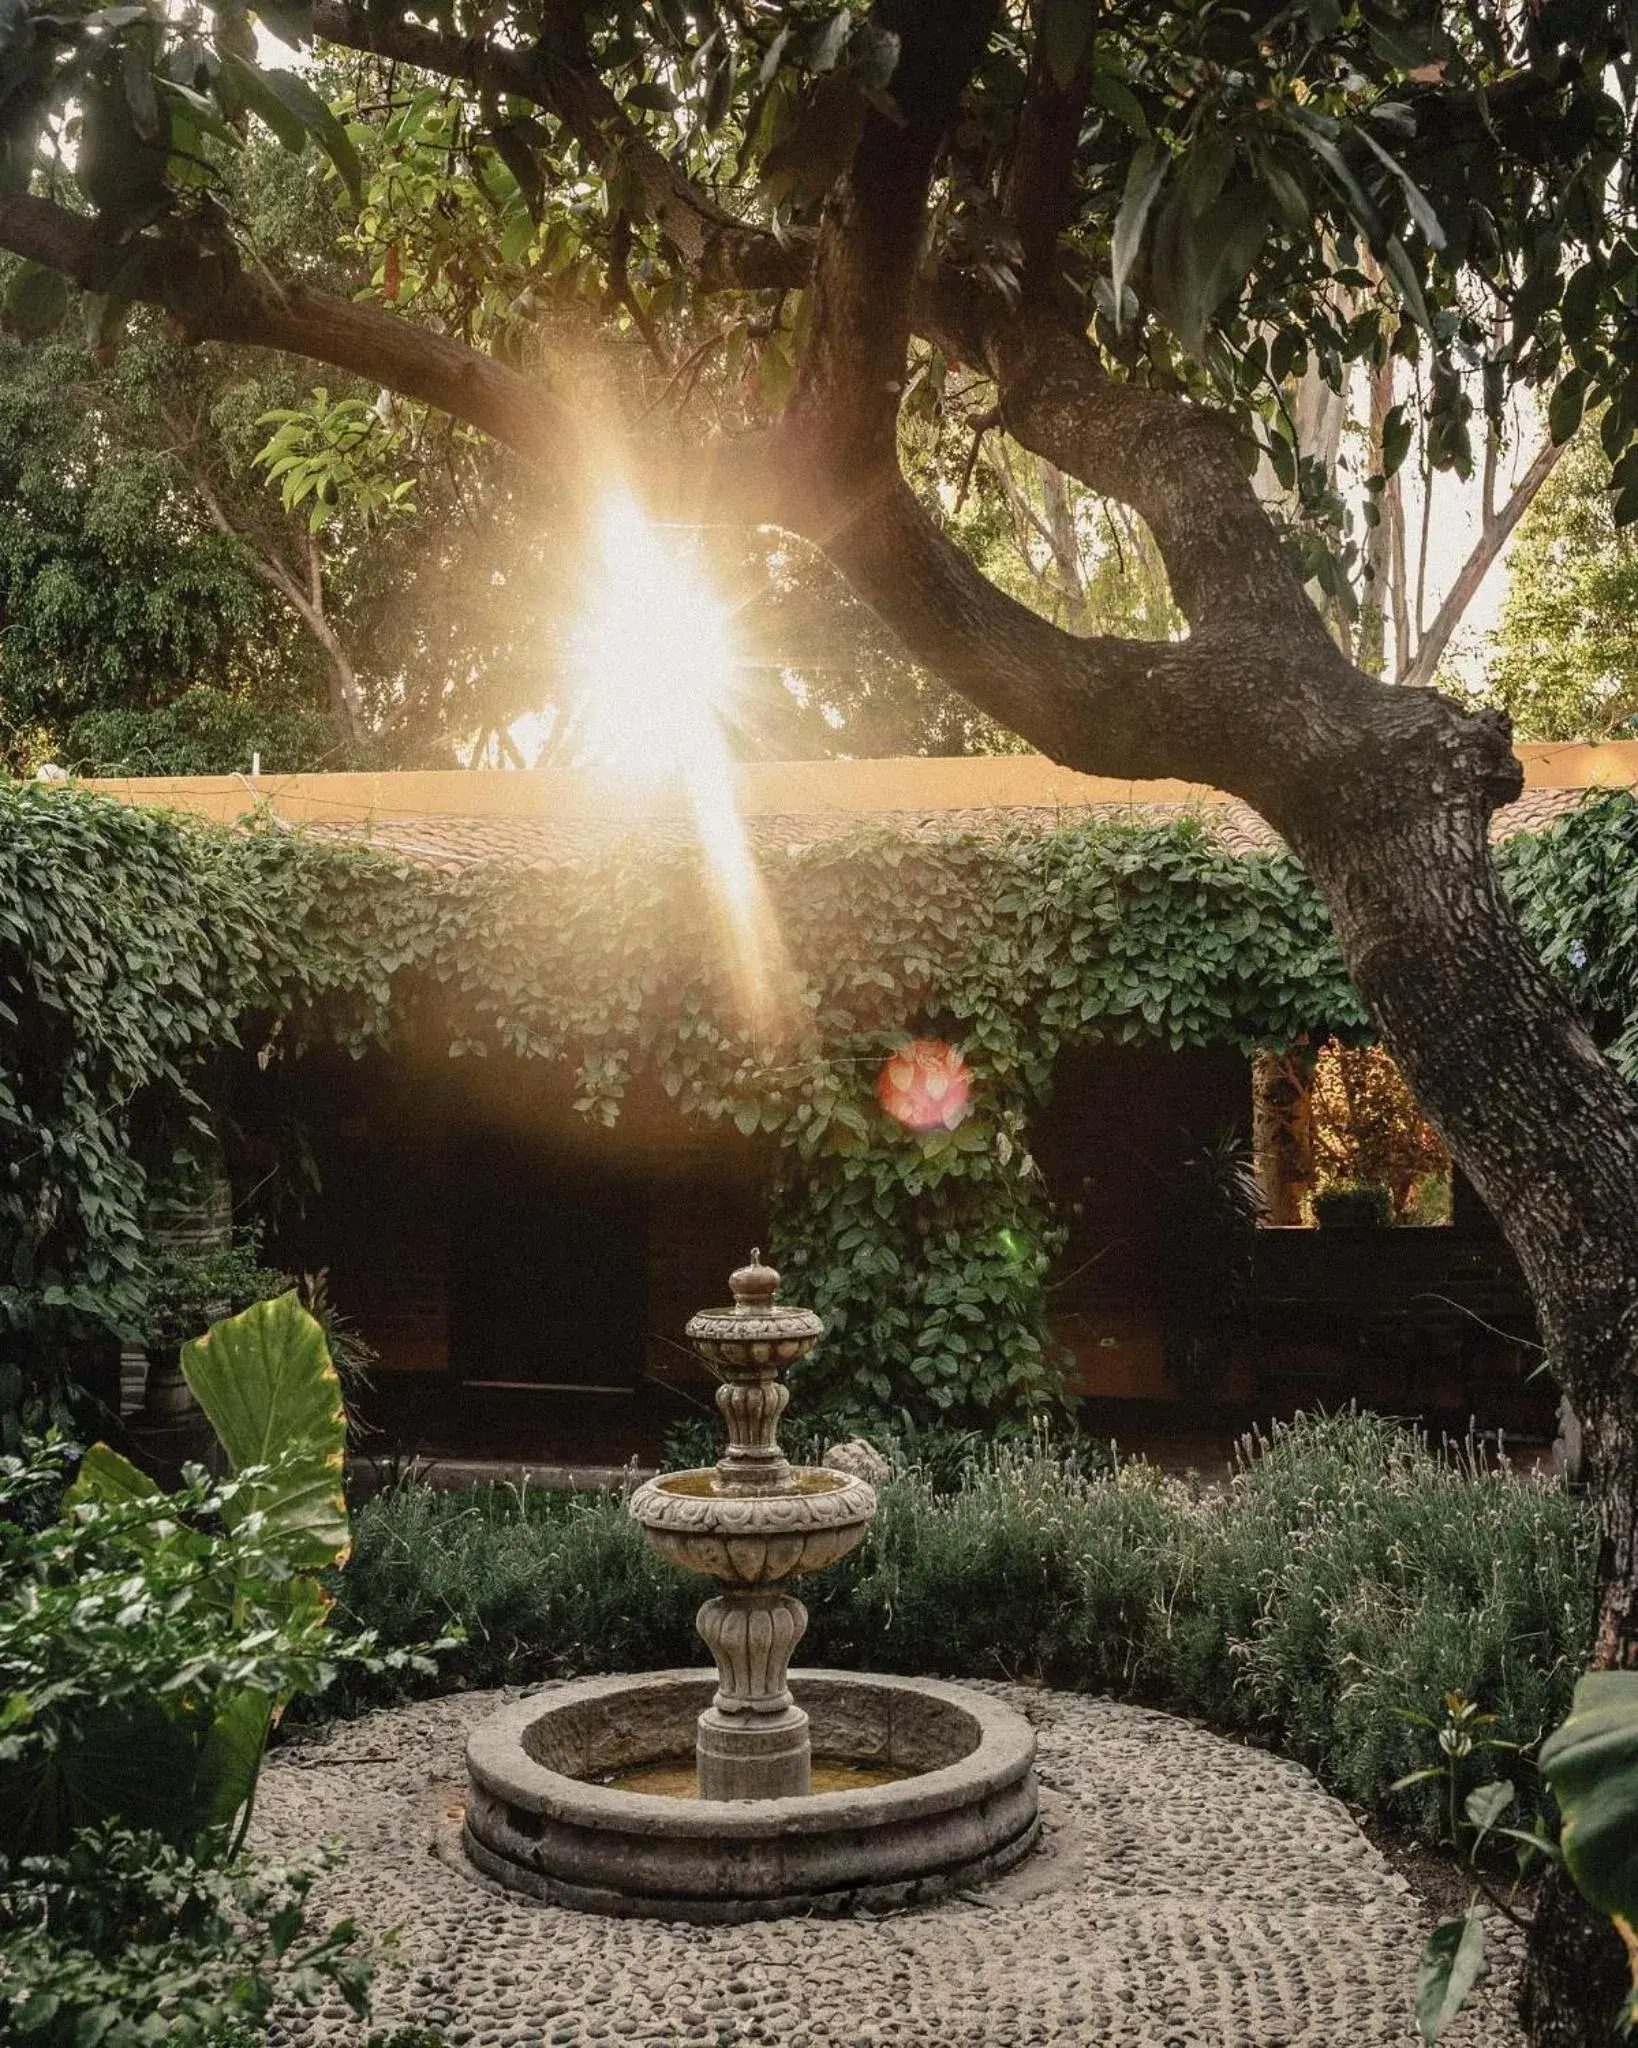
{"x": 729, "y": 244}
{"x": 1564, "y": 664}
{"x": 1367, "y": 1127}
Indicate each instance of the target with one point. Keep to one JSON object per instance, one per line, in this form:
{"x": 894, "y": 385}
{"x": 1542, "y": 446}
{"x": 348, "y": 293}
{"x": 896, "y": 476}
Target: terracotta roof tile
{"x": 455, "y": 843}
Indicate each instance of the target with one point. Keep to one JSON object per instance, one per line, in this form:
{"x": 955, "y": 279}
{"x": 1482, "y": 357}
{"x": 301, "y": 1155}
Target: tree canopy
{"x": 1565, "y": 662}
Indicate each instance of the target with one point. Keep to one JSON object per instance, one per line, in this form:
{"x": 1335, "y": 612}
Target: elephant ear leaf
{"x": 266, "y": 1384}
{"x": 110, "y": 1480}
{"x": 232, "y": 1756}
{"x": 1591, "y": 1762}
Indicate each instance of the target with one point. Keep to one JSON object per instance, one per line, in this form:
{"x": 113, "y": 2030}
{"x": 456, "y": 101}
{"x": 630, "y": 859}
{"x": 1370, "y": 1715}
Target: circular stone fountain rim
{"x": 498, "y": 1761}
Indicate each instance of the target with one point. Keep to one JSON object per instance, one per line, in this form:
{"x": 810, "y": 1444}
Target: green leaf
{"x": 245, "y": 84}
{"x": 1066, "y": 29}
{"x": 104, "y": 1476}
{"x": 1421, "y": 208}
{"x": 1448, "y": 1971}
{"x": 231, "y": 1758}
{"x": 524, "y": 165}
{"x": 36, "y": 300}
{"x": 1486, "y": 1804}
{"x": 1116, "y": 97}
{"x": 140, "y": 95}
{"x": 1406, "y": 282}
{"x": 268, "y": 1389}
{"x": 1397, "y": 433}
{"x": 1565, "y": 407}
{"x": 1359, "y": 201}
{"x": 1591, "y": 1763}
{"x": 1148, "y": 170}
{"x": 652, "y": 97}
{"x": 301, "y": 100}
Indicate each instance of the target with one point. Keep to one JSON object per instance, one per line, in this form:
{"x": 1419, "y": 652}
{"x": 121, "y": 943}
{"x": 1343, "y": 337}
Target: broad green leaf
{"x": 1360, "y": 204}
{"x": 1486, "y": 1804}
{"x": 1448, "y": 1971}
{"x": 1397, "y": 433}
{"x": 232, "y": 1757}
{"x": 1565, "y": 407}
{"x": 653, "y": 97}
{"x": 107, "y": 1477}
{"x": 245, "y": 84}
{"x": 1591, "y": 1763}
{"x": 301, "y": 100}
{"x": 1149, "y": 167}
{"x": 36, "y": 300}
{"x": 1116, "y": 97}
{"x": 135, "y": 1766}
{"x": 1066, "y": 28}
{"x": 1406, "y": 282}
{"x": 268, "y": 1389}
{"x": 1421, "y": 208}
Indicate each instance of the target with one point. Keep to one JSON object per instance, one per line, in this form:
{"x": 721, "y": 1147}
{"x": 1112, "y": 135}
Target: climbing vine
{"x": 134, "y": 948}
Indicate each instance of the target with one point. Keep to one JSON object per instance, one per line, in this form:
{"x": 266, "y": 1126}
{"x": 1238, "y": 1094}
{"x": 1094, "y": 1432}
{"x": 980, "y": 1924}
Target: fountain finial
{"x": 754, "y": 1286}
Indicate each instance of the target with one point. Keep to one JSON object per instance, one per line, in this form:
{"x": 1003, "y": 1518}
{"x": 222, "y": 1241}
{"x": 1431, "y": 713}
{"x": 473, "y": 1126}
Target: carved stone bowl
{"x": 754, "y": 1540}
{"x": 541, "y": 1820}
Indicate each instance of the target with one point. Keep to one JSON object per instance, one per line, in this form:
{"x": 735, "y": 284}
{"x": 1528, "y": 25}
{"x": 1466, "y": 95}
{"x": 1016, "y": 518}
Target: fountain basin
{"x": 539, "y": 1821}
{"x": 754, "y": 1540}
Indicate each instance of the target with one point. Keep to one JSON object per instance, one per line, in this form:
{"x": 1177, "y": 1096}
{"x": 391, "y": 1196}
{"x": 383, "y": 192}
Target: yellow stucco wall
{"x": 764, "y": 787}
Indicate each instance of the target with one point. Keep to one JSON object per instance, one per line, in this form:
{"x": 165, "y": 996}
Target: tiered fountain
{"x": 872, "y": 1791}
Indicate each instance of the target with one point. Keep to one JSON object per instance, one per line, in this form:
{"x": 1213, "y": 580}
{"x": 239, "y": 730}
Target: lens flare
{"x": 652, "y": 657}
{"x": 654, "y": 669}
{"x": 926, "y": 1085}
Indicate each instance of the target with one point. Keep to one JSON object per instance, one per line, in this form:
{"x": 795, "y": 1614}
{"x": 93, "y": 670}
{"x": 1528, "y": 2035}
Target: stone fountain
{"x": 752, "y": 1522}
{"x": 578, "y": 1795}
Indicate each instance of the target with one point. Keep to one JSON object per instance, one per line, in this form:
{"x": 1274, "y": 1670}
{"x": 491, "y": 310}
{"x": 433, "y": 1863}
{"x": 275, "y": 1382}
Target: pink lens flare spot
{"x": 925, "y": 1085}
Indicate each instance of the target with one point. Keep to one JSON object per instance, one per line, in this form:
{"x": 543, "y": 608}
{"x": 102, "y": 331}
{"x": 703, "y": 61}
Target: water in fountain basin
{"x": 677, "y": 1777}
{"x": 804, "y": 1479}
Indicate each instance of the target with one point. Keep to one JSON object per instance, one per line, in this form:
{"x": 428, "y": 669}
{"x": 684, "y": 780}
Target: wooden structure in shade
{"x": 472, "y": 1223}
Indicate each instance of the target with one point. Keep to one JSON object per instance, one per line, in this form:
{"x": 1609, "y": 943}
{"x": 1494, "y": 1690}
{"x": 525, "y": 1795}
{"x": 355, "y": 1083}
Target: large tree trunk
{"x": 1523, "y": 1098}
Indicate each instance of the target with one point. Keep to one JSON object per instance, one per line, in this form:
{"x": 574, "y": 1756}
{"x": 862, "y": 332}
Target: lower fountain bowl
{"x": 539, "y": 1821}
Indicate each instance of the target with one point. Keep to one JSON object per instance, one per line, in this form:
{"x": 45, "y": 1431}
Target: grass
{"x": 1345, "y": 1573}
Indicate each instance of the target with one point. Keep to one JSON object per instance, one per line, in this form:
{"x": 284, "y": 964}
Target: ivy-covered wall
{"x": 133, "y": 948}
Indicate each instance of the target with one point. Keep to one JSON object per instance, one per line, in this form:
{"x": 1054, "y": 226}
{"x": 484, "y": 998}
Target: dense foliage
{"x": 148, "y": 1641}
{"x": 1367, "y": 1127}
{"x": 1575, "y": 891}
{"x": 1346, "y": 1573}
{"x": 133, "y": 949}
{"x": 1564, "y": 665}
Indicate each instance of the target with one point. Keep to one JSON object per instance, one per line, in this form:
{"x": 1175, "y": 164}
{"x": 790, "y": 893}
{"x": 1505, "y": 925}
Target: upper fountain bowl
{"x": 817, "y": 1517}
{"x": 755, "y": 1332}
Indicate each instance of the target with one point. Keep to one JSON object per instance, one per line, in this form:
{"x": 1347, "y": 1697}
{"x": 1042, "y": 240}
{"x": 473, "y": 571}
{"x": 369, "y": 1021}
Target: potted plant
{"x": 190, "y": 1288}
{"x": 1353, "y": 1205}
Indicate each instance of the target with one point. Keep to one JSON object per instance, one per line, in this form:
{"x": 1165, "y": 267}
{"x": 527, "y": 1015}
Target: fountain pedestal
{"x": 750, "y": 1522}
{"x": 753, "y": 1740}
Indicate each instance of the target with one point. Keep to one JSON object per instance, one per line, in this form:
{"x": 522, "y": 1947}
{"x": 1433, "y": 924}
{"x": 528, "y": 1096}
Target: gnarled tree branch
{"x": 210, "y": 299}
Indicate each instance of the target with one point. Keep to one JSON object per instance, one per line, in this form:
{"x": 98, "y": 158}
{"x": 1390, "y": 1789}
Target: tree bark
{"x": 1283, "y": 1131}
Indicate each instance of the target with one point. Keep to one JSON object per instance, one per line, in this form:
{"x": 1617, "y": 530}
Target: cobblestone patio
{"x": 1190, "y": 1893}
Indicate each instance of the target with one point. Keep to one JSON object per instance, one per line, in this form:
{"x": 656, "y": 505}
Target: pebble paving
{"x": 1190, "y": 1893}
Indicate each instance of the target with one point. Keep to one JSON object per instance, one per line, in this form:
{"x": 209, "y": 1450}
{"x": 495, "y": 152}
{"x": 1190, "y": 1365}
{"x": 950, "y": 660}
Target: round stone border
{"x": 969, "y": 1813}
